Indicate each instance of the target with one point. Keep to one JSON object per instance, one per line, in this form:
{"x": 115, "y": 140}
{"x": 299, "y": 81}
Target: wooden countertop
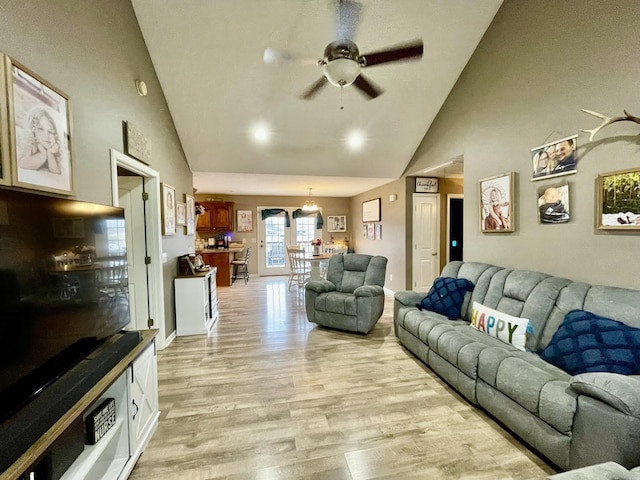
{"x": 220, "y": 250}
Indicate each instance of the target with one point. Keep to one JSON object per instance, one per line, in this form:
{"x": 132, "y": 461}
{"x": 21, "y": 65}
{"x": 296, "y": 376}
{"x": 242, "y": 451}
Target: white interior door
{"x": 130, "y": 190}
{"x": 426, "y": 240}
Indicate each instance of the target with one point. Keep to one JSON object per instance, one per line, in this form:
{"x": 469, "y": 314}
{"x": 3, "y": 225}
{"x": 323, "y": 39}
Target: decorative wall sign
{"x": 496, "y": 204}
{"x": 336, "y": 223}
{"x": 100, "y": 421}
{"x": 190, "y": 207}
{"x": 618, "y": 202}
{"x": 426, "y": 185}
{"x": 40, "y": 132}
{"x": 371, "y": 210}
{"x": 244, "y": 221}
{"x": 168, "y": 209}
{"x": 136, "y": 144}
{"x": 555, "y": 159}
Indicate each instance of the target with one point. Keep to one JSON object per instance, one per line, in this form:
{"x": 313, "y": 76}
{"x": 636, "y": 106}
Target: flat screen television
{"x": 63, "y": 289}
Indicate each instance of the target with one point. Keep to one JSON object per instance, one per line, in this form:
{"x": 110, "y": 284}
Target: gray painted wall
{"x": 93, "y": 51}
{"x": 539, "y": 63}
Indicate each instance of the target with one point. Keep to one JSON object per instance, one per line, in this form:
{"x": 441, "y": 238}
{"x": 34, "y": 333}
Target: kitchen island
{"x": 221, "y": 259}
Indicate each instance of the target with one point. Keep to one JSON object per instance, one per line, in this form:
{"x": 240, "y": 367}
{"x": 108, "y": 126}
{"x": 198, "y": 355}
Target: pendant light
{"x": 310, "y": 205}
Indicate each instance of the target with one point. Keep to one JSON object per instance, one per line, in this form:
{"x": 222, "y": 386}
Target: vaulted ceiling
{"x": 208, "y": 55}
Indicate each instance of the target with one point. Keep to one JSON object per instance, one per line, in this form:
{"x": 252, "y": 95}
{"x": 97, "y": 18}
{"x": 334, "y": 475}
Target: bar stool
{"x": 243, "y": 264}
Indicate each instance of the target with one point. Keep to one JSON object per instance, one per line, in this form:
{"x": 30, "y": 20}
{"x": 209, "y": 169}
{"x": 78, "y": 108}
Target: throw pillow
{"x": 446, "y": 296}
{"x": 585, "y": 342}
{"x": 507, "y": 328}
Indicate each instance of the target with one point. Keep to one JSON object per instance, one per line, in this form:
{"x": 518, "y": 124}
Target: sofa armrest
{"x": 320, "y": 286}
{"x": 368, "y": 291}
{"x": 409, "y": 297}
{"x": 622, "y": 392}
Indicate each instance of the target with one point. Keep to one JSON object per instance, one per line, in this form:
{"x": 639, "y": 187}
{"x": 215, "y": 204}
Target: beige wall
{"x": 536, "y": 67}
{"x": 328, "y": 206}
{"x": 93, "y": 51}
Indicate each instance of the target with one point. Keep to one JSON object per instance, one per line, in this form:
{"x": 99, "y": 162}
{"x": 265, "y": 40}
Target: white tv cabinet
{"x": 196, "y": 303}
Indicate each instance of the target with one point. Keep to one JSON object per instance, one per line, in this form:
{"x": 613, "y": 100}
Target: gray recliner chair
{"x": 351, "y": 298}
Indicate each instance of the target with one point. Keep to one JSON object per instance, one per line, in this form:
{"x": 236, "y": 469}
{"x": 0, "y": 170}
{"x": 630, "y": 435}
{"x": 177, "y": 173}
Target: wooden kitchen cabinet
{"x": 218, "y": 216}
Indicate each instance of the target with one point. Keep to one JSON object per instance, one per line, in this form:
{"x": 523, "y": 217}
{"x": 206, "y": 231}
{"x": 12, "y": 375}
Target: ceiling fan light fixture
{"x": 341, "y": 72}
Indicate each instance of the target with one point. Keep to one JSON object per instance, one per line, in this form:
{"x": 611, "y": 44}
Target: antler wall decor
{"x": 608, "y": 121}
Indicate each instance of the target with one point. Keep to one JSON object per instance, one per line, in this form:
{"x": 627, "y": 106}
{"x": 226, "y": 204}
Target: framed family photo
{"x": 168, "y": 194}
{"x": 39, "y": 132}
{"x": 618, "y": 201}
{"x": 190, "y": 207}
{"x": 336, "y": 223}
{"x": 555, "y": 159}
{"x": 5, "y": 169}
{"x": 496, "y": 204}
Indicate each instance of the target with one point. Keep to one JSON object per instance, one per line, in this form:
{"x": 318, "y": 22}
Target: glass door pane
{"x": 273, "y": 246}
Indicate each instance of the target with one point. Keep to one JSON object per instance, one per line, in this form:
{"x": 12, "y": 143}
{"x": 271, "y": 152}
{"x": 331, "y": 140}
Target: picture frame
{"x": 555, "y": 159}
{"x": 336, "y": 223}
{"x": 168, "y": 194}
{"x": 618, "y": 200}
{"x": 554, "y": 204}
{"x": 371, "y": 210}
{"x": 377, "y": 231}
{"x": 426, "y": 185}
{"x": 496, "y": 200}
{"x": 190, "y": 207}
{"x": 244, "y": 221}
{"x": 181, "y": 214}
{"x": 5, "y": 148}
{"x": 136, "y": 144}
{"x": 39, "y": 132}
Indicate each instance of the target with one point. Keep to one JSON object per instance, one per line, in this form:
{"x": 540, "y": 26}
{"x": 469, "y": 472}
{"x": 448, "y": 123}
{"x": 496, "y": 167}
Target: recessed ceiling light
{"x": 355, "y": 140}
{"x": 261, "y": 133}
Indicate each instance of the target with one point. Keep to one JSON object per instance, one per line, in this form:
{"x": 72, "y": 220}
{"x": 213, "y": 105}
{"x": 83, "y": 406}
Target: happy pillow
{"x": 446, "y": 296}
{"x": 506, "y": 328}
{"x": 585, "y": 342}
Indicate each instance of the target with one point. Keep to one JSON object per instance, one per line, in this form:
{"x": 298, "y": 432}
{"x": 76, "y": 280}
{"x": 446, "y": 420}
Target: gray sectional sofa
{"x": 574, "y": 421}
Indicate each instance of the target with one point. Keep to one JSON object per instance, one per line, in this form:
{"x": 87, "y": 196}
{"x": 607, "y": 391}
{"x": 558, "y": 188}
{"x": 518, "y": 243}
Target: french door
{"x": 274, "y": 237}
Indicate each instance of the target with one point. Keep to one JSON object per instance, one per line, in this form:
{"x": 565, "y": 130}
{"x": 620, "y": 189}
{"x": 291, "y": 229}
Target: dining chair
{"x": 300, "y": 268}
{"x": 243, "y": 265}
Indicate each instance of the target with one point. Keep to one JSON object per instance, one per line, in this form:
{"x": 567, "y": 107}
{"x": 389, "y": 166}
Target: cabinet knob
{"x": 137, "y": 409}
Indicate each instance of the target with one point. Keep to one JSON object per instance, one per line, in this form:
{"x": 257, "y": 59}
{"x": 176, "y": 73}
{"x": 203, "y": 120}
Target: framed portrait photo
{"x": 336, "y": 223}
{"x": 168, "y": 194}
{"x": 39, "y": 132}
{"x": 555, "y": 159}
{"x": 618, "y": 201}
{"x": 244, "y": 221}
{"x": 190, "y": 207}
{"x": 181, "y": 214}
{"x": 497, "y": 210}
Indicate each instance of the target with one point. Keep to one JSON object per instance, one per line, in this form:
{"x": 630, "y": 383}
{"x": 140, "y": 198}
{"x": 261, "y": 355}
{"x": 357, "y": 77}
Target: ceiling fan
{"x": 342, "y": 63}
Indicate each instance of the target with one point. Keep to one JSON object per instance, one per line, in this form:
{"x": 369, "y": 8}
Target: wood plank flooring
{"x": 268, "y": 395}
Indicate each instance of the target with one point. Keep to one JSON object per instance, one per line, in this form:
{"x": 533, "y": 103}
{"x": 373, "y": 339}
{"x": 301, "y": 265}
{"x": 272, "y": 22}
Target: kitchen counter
{"x": 221, "y": 259}
{"x": 219, "y": 250}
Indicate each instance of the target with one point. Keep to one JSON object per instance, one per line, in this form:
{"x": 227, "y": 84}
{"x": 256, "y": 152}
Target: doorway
{"x": 426, "y": 240}
{"x": 455, "y": 209}
{"x": 130, "y": 179}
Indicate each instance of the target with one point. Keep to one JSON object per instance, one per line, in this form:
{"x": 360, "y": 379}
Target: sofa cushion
{"x": 509, "y": 329}
{"x": 446, "y": 296}
{"x": 585, "y": 342}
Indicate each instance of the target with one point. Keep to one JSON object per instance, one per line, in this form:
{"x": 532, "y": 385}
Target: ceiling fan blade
{"x": 348, "y": 18}
{"x": 314, "y": 88}
{"x": 271, "y": 55}
{"x": 412, "y": 50}
{"x": 367, "y": 87}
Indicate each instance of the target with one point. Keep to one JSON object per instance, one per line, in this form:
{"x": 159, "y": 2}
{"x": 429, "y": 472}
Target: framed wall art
{"x": 244, "y": 220}
{"x": 426, "y": 185}
{"x": 553, "y": 204}
{"x": 190, "y": 207}
{"x": 555, "y": 159}
{"x": 39, "y": 132}
{"x": 618, "y": 200}
{"x": 371, "y": 210}
{"x": 135, "y": 143}
{"x": 168, "y": 194}
{"x": 181, "y": 214}
{"x": 5, "y": 171}
{"x": 497, "y": 209}
{"x": 336, "y": 223}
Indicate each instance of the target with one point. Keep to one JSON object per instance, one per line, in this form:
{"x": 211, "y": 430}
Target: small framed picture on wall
{"x": 168, "y": 209}
{"x": 618, "y": 202}
{"x": 496, "y": 204}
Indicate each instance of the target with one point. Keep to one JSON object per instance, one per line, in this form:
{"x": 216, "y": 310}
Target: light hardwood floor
{"x": 268, "y": 395}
